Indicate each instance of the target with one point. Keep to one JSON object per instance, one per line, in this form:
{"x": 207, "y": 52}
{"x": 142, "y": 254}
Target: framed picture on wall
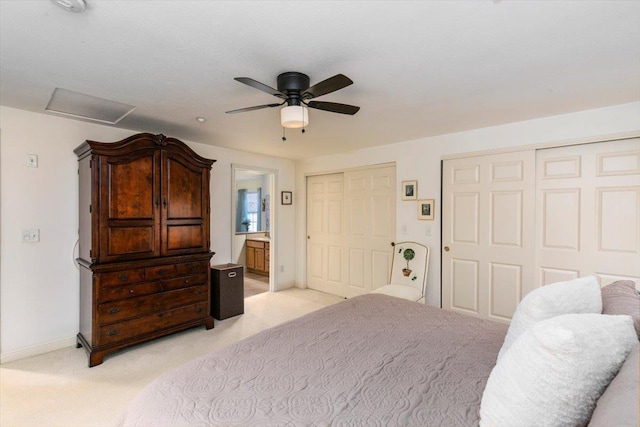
{"x": 409, "y": 190}
{"x": 425, "y": 209}
{"x": 286, "y": 197}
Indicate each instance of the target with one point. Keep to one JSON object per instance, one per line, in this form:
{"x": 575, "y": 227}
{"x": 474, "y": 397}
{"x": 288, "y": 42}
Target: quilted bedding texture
{"x": 372, "y": 360}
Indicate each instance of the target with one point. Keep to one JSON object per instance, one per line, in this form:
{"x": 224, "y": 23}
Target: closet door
{"x": 488, "y": 233}
{"x": 370, "y": 202}
{"x": 588, "y": 212}
{"x": 351, "y": 219}
{"x": 326, "y": 267}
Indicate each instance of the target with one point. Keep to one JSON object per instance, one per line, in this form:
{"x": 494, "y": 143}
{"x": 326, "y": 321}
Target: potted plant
{"x": 408, "y": 254}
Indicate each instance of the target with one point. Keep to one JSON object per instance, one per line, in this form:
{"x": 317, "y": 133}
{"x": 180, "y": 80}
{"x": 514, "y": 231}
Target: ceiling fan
{"x": 294, "y": 90}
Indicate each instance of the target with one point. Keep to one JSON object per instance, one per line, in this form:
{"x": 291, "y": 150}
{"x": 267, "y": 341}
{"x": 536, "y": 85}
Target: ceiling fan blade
{"x": 334, "y": 107}
{"x": 261, "y": 86}
{"x": 329, "y": 85}
{"x": 257, "y": 107}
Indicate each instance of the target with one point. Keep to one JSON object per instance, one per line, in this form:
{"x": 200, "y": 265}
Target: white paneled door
{"x": 326, "y": 264}
{"x": 588, "y": 212}
{"x": 488, "y": 233}
{"x": 370, "y": 202}
{"x": 350, "y": 227}
{"x": 513, "y": 222}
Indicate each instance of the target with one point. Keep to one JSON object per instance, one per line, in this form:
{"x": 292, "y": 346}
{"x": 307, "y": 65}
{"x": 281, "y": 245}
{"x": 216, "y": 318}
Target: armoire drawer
{"x": 184, "y": 282}
{"x": 150, "y": 323}
{"x": 119, "y": 310}
{"x": 189, "y": 268}
{"x": 158, "y": 279}
{"x": 122, "y": 277}
{"x": 112, "y": 293}
{"x": 160, "y": 272}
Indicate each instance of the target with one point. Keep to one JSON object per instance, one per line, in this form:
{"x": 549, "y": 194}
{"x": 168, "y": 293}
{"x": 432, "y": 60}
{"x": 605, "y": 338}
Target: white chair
{"x": 409, "y": 266}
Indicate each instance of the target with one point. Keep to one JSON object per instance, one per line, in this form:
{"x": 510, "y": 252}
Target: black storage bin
{"x": 227, "y": 291}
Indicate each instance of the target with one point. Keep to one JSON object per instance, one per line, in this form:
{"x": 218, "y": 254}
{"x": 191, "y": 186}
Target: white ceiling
{"x": 420, "y": 68}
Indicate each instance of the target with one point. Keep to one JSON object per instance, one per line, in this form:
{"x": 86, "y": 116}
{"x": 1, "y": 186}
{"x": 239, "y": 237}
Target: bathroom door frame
{"x": 273, "y": 216}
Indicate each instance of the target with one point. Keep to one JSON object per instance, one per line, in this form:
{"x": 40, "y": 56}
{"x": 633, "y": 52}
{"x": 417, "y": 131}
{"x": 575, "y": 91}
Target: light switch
{"x": 31, "y": 236}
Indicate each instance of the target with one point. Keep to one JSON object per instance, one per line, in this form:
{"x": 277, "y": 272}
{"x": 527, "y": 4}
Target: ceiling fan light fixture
{"x": 294, "y": 117}
{"x": 71, "y": 5}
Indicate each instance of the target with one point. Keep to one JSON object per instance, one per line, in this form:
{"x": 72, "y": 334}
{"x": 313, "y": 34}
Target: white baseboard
{"x": 12, "y": 356}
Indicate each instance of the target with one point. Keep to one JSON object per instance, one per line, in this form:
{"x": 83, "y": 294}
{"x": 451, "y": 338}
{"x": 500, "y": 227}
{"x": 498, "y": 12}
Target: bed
{"x": 347, "y": 364}
{"x": 372, "y": 360}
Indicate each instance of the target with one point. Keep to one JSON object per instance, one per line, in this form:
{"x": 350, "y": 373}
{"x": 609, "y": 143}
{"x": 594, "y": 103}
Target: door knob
{"x": 308, "y": 237}
{"x": 446, "y": 248}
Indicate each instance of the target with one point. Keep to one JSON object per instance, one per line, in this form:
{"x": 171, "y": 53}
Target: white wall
{"x": 38, "y": 281}
{"x": 420, "y": 160}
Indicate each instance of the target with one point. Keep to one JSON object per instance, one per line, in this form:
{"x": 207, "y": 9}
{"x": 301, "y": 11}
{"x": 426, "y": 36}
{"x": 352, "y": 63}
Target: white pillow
{"x": 575, "y": 296}
{"x": 556, "y": 371}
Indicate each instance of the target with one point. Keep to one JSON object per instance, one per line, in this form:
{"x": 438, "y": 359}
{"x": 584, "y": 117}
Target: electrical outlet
{"x": 403, "y": 229}
{"x": 31, "y": 236}
{"x": 429, "y": 231}
{"x": 282, "y": 269}
{"x": 32, "y": 160}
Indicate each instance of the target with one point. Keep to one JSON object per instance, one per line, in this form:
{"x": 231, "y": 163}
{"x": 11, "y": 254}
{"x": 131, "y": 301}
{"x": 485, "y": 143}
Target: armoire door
{"x": 129, "y": 203}
{"x": 185, "y": 201}
{"x": 488, "y": 233}
{"x": 588, "y": 212}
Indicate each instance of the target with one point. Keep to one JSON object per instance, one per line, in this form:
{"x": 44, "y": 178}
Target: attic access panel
{"x": 79, "y": 105}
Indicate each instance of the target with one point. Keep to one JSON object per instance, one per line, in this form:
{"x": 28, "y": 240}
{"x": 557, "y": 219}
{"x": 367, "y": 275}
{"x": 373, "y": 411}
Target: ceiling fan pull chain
{"x": 303, "y": 111}
{"x": 284, "y": 138}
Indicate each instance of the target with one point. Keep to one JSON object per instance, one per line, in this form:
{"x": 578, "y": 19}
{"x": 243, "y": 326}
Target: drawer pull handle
{"x": 199, "y": 293}
{"x": 114, "y": 310}
{"x": 192, "y": 267}
{"x": 186, "y": 281}
{"x": 162, "y": 272}
{"x": 199, "y": 310}
{"x": 113, "y": 332}
{"x": 123, "y": 277}
{"x": 131, "y": 291}
{"x": 232, "y": 274}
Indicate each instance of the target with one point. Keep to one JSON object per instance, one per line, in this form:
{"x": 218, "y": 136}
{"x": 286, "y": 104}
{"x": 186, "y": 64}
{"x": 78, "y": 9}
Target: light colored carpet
{"x": 255, "y": 284}
{"x": 58, "y": 389}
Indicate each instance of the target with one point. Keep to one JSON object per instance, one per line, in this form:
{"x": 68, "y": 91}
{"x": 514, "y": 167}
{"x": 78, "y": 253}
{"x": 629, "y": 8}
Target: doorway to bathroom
{"x": 253, "y": 204}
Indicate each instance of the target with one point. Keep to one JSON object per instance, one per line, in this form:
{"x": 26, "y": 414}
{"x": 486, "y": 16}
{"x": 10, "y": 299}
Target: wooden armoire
{"x": 144, "y": 242}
